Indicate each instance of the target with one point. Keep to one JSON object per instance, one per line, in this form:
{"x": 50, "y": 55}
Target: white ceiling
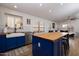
{"x": 59, "y": 12}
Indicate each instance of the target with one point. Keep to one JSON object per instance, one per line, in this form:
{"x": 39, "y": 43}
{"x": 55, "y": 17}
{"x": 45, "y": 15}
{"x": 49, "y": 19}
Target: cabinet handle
{"x": 38, "y": 44}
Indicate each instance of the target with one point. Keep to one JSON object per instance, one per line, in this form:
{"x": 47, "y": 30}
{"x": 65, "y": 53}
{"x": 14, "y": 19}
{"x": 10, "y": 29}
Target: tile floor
{"x": 22, "y": 51}
{"x": 74, "y": 47}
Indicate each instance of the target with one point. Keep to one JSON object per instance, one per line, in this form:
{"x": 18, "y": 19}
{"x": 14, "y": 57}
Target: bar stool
{"x": 65, "y": 42}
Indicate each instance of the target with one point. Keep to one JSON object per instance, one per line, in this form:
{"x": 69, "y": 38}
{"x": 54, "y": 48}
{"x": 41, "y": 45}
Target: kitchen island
{"x": 49, "y": 44}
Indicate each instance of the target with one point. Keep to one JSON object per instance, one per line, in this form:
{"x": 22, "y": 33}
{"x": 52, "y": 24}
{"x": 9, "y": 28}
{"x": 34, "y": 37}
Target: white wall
{"x": 26, "y": 27}
{"x": 74, "y": 24}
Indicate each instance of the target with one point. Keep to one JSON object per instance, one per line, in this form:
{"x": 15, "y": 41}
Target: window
{"x": 18, "y": 22}
{"x": 14, "y": 21}
{"x": 10, "y": 21}
{"x": 39, "y": 27}
{"x": 28, "y": 21}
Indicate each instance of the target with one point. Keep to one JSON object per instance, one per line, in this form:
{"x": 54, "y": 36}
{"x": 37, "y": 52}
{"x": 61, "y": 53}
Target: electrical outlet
{"x": 38, "y": 44}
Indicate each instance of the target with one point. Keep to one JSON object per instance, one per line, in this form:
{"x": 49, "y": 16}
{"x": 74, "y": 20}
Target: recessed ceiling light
{"x": 15, "y": 6}
{"x": 50, "y": 11}
{"x": 41, "y": 4}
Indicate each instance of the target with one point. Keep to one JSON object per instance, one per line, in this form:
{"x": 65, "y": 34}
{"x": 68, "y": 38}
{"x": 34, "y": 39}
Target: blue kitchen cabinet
{"x": 58, "y": 47}
{"x": 45, "y": 47}
{"x": 2, "y": 43}
{"x": 35, "y": 48}
{"x": 41, "y": 47}
{"x": 11, "y": 43}
{"x": 15, "y": 42}
{"x": 20, "y": 41}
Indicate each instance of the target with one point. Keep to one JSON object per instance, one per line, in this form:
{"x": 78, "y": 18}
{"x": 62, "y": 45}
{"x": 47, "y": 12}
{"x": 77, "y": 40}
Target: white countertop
{"x": 14, "y": 35}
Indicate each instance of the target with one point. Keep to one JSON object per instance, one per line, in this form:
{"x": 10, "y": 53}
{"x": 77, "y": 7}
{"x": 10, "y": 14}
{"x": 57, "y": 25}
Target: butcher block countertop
{"x": 51, "y": 36}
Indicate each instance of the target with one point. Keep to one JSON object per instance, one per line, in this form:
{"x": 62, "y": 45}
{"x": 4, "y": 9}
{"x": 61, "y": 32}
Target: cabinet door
{"x": 42, "y": 47}
{"x": 20, "y": 41}
{"x": 45, "y": 47}
{"x": 2, "y": 43}
{"x": 11, "y": 43}
{"x": 35, "y": 49}
{"x": 58, "y": 48}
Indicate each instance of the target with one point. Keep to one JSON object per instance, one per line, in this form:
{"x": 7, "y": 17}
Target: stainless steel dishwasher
{"x": 28, "y": 38}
